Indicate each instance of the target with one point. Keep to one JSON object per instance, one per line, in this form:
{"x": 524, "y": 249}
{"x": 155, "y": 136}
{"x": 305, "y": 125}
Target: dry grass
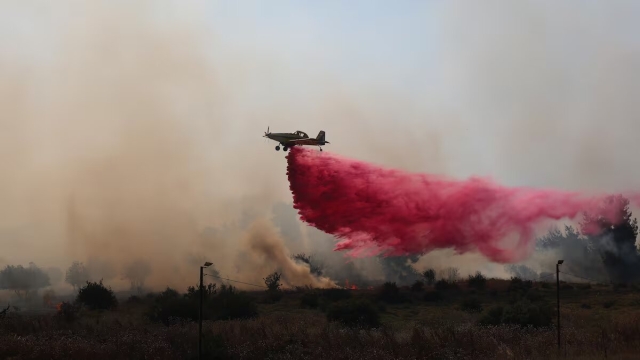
{"x": 414, "y": 330}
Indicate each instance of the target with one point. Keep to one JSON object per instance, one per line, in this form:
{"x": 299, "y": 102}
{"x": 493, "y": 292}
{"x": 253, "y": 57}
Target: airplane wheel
{"x": 277, "y": 148}
{"x": 285, "y": 148}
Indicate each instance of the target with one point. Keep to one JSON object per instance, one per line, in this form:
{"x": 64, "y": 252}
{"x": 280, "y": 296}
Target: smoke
{"x": 124, "y": 136}
{"x": 376, "y": 210}
{"x": 131, "y": 130}
{"x": 267, "y": 251}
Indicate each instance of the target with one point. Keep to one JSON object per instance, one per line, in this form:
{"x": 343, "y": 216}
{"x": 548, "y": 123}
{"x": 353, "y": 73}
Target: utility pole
{"x": 558, "y": 294}
{"x": 207, "y": 264}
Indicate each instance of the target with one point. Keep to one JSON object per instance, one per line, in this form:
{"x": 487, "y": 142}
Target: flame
{"x": 59, "y": 307}
{"x": 352, "y": 287}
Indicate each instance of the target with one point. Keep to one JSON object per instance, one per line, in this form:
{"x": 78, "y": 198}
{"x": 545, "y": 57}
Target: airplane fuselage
{"x": 289, "y": 140}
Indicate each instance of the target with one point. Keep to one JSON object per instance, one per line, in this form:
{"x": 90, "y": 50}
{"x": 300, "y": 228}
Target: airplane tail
{"x": 320, "y": 137}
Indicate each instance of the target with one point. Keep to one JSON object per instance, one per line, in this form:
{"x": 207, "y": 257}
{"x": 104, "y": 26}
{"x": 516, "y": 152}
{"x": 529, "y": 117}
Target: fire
{"x": 59, "y": 306}
{"x": 352, "y": 287}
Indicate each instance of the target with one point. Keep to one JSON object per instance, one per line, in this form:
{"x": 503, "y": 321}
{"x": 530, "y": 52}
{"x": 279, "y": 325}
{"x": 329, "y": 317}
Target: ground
{"x": 598, "y": 321}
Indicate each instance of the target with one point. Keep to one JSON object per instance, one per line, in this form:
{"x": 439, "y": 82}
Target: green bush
{"x": 534, "y": 295}
{"x": 443, "y": 284}
{"x": 309, "y": 300}
{"x": 477, "y": 281}
{"x": 69, "y": 312}
{"x": 133, "y": 299}
{"x": 225, "y": 304}
{"x": 522, "y": 313}
{"x": 492, "y": 316}
{"x": 432, "y": 296}
{"x": 417, "y": 286}
{"x": 354, "y": 313}
{"x": 336, "y": 294}
{"x": 96, "y": 296}
{"x": 471, "y": 304}
{"x": 429, "y": 276}
{"x": 214, "y": 346}
{"x": 230, "y": 304}
{"x": 517, "y": 285}
{"x": 390, "y": 293}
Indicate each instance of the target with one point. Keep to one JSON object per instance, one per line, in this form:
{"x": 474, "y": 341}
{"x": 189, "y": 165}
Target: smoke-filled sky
{"x": 126, "y": 128}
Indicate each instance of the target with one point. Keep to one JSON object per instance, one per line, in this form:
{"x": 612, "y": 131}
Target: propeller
{"x": 267, "y": 132}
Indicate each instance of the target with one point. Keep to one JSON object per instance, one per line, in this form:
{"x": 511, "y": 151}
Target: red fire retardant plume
{"x": 374, "y": 210}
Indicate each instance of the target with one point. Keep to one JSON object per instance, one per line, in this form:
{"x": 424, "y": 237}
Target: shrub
{"x": 443, "y": 284}
{"x": 230, "y": 304}
{"x": 309, "y": 300}
{"x": 471, "y": 304}
{"x": 518, "y": 285}
{"x": 417, "y": 286}
{"x": 390, "y": 293}
{"x": 214, "y": 346}
{"x": 585, "y": 306}
{"x": 522, "y": 313}
{"x": 526, "y": 313}
{"x": 69, "y": 312}
{"x": 534, "y": 295}
{"x": 429, "y": 276}
{"x": 96, "y": 296}
{"x": 545, "y": 285}
{"x": 608, "y": 304}
{"x": 492, "y": 316}
{"x": 477, "y": 281}
{"x": 226, "y": 304}
{"x": 133, "y": 299}
{"x": 354, "y": 313}
{"x": 273, "y": 287}
{"x": 584, "y": 286}
{"x": 273, "y": 281}
{"x": 432, "y": 296}
{"x": 336, "y": 294}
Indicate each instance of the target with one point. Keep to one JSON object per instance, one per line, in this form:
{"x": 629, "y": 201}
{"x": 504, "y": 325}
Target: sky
{"x": 524, "y": 92}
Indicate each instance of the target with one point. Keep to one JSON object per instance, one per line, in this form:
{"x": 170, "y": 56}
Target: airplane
{"x": 298, "y": 138}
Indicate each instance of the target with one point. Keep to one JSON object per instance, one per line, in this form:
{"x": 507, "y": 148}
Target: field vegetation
{"x": 472, "y": 318}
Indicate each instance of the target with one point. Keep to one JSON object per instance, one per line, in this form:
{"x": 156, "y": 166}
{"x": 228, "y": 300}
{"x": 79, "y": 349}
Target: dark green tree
{"x": 23, "y": 280}
{"x": 96, "y": 296}
{"x": 612, "y": 233}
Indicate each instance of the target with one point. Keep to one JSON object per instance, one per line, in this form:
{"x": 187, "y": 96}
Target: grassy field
{"x": 598, "y": 321}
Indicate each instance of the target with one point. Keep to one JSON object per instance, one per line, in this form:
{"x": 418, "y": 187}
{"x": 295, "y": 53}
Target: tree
{"x": 399, "y": 269}
{"x": 451, "y": 274}
{"x": 273, "y": 281}
{"x": 314, "y": 266}
{"x": 614, "y": 241}
{"x": 429, "y": 276}
{"x": 96, "y": 296}
{"x": 137, "y": 272}
{"x": 77, "y": 274}
{"x": 23, "y": 280}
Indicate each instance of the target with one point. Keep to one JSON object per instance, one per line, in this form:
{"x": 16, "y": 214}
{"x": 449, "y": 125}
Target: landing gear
{"x": 320, "y": 148}
{"x": 285, "y": 148}
{"x": 278, "y": 148}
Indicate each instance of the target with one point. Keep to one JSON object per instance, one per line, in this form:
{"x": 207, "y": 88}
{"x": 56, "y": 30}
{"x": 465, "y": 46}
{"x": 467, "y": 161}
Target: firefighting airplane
{"x": 289, "y": 140}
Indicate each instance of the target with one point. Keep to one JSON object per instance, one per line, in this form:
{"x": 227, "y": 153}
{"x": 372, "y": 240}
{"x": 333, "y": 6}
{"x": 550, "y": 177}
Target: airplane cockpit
{"x": 301, "y": 134}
